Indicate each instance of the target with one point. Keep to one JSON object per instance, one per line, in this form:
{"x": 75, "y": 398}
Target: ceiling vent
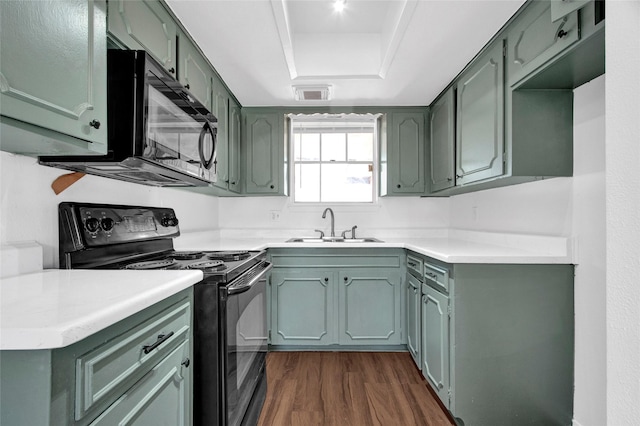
{"x": 312, "y": 93}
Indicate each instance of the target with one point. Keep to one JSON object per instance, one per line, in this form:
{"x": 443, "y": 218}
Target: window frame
{"x": 331, "y": 125}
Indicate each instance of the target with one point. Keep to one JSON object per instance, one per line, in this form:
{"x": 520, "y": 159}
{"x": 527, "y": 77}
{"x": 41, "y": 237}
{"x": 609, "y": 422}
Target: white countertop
{"x": 56, "y": 308}
{"x": 451, "y": 246}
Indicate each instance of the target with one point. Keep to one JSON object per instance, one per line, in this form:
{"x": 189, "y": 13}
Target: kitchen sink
{"x": 334, "y": 240}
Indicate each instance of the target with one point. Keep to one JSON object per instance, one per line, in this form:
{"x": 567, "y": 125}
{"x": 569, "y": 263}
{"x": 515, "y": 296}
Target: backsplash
{"x": 29, "y": 207}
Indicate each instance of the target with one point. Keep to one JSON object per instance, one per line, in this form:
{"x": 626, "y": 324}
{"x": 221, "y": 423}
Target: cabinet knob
{"x": 186, "y": 362}
{"x": 326, "y": 279}
{"x": 172, "y": 70}
{"x": 187, "y": 86}
{"x": 449, "y": 179}
{"x": 399, "y": 186}
{"x": 346, "y": 279}
{"x": 233, "y": 183}
{"x": 95, "y": 124}
{"x": 459, "y": 176}
{"x": 271, "y": 186}
{"x": 440, "y": 385}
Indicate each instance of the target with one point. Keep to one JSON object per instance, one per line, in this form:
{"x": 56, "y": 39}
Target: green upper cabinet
{"x": 263, "y": 150}
{"x": 53, "y": 77}
{"x": 235, "y": 133}
{"x": 195, "y": 73}
{"x": 405, "y": 154}
{"x": 535, "y": 38}
{"x": 221, "y": 111}
{"x": 145, "y": 24}
{"x": 442, "y": 134}
{"x": 480, "y": 118}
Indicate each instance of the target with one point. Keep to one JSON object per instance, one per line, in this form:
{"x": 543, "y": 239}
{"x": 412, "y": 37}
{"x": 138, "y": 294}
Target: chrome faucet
{"x": 324, "y": 215}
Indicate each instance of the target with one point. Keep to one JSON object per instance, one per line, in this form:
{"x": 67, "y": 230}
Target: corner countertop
{"x": 55, "y": 308}
{"x": 451, "y": 245}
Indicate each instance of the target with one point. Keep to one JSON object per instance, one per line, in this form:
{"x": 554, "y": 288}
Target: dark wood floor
{"x": 347, "y": 389}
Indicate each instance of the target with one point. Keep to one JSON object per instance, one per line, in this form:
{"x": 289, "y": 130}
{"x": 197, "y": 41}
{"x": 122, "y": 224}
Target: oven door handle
{"x": 242, "y": 286}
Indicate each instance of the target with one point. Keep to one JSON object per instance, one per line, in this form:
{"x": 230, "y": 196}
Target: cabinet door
{"x": 194, "y": 72}
{"x": 480, "y": 114}
{"x": 263, "y": 137}
{"x": 443, "y": 132}
{"x": 534, "y": 39}
{"x": 435, "y": 341}
{"x": 414, "y": 318}
{"x": 369, "y": 303}
{"x": 162, "y": 396}
{"x": 146, "y": 25}
{"x": 406, "y": 154}
{"x": 221, "y": 111}
{"x": 302, "y": 304}
{"x": 53, "y": 70}
{"x": 235, "y": 122}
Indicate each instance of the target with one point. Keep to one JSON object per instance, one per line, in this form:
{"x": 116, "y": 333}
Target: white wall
{"x": 29, "y": 207}
{"x": 381, "y": 220}
{"x": 572, "y": 207}
{"x": 623, "y": 212}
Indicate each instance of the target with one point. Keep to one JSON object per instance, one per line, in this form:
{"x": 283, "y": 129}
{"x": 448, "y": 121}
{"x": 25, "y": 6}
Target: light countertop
{"x": 451, "y": 246}
{"x": 56, "y": 308}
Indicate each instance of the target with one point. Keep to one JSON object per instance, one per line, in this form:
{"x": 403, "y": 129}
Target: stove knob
{"x": 92, "y": 224}
{"x": 169, "y": 221}
{"x": 107, "y": 224}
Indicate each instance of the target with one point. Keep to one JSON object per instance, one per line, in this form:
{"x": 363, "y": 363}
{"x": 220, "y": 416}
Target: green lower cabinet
{"x": 413, "y": 292}
{"x": 336, "y": 297}
{"x": 152, "y": 401}
{"x": 498, "y": 348}
{"x": 369, "y": 303}
{"x": 435, "y": 341}
{"x": 107, "y": 378}
{"x": 302, "y": 307}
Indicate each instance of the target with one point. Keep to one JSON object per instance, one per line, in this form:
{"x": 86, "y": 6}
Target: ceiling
{"x": 376, "y": 52}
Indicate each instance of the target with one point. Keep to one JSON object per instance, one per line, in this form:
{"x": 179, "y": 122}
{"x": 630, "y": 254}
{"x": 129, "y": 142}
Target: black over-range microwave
{"x": 158, "y": 133}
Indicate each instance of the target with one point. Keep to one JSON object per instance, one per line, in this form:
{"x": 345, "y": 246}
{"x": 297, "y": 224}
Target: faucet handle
{"x": 344, "y": 233}
{"x": 321, "y": 233}
{"x": 353, "y": 231}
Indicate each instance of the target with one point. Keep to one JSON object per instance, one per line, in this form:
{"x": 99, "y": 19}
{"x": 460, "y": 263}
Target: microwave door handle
{"x": 246, "y": 287}
{"x": 206, "y": 128}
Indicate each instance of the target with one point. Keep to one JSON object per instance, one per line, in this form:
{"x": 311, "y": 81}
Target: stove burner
{"x": 186, "y": 255}
{"x": 152, "y": 264}
{"x": 208, "y": 265}
{"x": 228, "y": 255}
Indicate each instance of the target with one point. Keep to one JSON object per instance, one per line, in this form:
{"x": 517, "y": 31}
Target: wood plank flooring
{"x": 347, "y": 389}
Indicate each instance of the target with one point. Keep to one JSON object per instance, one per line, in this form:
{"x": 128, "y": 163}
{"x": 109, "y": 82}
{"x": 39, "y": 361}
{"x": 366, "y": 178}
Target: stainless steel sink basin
{"x": 334, "y": 240}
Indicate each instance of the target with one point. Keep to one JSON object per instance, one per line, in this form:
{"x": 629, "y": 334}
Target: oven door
{"x": 244, "y": 343}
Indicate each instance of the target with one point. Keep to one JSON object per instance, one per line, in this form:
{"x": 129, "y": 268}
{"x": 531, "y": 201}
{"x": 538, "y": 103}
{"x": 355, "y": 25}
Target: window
{"x": 333, "y": 158}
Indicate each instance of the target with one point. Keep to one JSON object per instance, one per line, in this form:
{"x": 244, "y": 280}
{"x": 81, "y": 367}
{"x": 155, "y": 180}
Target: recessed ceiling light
{"x": 339, "y": 5}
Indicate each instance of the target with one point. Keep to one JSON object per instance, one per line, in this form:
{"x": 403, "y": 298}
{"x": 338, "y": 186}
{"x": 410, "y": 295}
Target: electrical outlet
{"x": 275, "y": 215}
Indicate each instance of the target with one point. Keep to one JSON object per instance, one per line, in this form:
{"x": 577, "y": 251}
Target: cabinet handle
{"x": 95, "y": 124}
{"x": 449, "y": 179}
{"x": 434, "y": 276}
{"x": 161, "y": 339}
{"x": 186, "y": 362}
{"x": 459, "y": 176}
{"x": 411, "y": 264}
{"x": 562, "y": 33}
{"x": 233, "y": 183}
{"x": 172, "y": 70}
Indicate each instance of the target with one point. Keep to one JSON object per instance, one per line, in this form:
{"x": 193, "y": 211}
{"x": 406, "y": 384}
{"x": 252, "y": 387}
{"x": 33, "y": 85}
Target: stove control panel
{"x": 111, "y": 224}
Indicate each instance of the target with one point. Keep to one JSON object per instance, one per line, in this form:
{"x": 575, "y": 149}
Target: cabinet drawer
{"x": 111, "y": 368}
{"x": 414, "y": 266}
{"x": 160, "y": 397}
{"x": 436, "y": 277}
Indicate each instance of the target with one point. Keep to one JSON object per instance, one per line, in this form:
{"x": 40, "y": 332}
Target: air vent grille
{"x": 312, "y": 93}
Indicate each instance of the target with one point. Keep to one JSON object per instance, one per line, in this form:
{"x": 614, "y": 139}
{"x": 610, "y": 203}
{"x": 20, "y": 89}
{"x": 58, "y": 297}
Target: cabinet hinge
{"x": 504, "y": 50}
{"x": 269, "y": 334}
{"x": 449, "y": 311}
